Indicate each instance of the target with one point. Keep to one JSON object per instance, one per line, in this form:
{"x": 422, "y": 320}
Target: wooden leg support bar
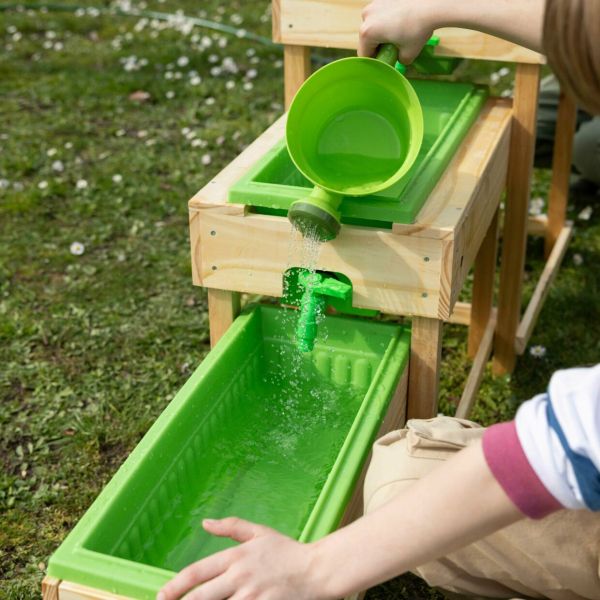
{"x": 424, "y": 369}
{"x": 543, "y": 287}
{"x": 223, "y": 308}
{"x": 469, "y": 395}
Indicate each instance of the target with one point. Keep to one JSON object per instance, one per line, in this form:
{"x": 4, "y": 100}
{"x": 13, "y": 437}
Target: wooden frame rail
{"x": 335, "y": 24}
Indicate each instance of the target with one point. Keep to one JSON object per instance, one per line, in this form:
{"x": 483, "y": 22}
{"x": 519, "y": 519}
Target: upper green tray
{"x": 449, "y": 110}
{"x": 259, "y": 431}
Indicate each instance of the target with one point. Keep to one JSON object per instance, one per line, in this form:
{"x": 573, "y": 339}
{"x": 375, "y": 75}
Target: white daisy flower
{"x": 76, "y": 248}
{"x": 537, "y": 351}
{"x": 185, "y": 131}
{"x": 577, "y": 260}
{"x": 213, "y": 58}
{"x": 248, "y": 86}
{"x": 251, "y": 73}
{"x": 51, "y": 152}
{"x": 504, "y": 71}
{"x": 68, "y": 145}
{"x": 4, "y": 183}
{"x": 215, "y": 71}
{"x": 117, "y": 178}
{"x": 230, "y": 85}
{"x": 81, "y": 184}
{"x": 196, "y": 143}
{"x": 58, "y": 166}
{"x": 209, "y": 101}
{"x": 585, "y": 214}
{"x": 43, "y": 185}
{"x": 206, "y": 159}
{"x": 183, "y": 61}
{"x": 197, "y": 80}
{"x": 142, "y": 133}
{"x": 170, "y": 95}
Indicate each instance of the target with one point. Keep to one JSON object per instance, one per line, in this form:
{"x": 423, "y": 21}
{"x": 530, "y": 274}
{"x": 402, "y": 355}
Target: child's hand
{"x": 266, "y": 565}
{"x": 405, "y": 23}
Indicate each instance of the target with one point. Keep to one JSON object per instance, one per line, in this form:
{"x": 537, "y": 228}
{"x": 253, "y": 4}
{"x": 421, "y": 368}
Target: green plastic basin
{"x": 274, "y": 182}
{"x": 259, "y": 431}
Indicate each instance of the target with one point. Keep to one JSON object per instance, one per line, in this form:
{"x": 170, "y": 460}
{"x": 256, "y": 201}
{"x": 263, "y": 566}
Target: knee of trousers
{"x": 404, "y": 456}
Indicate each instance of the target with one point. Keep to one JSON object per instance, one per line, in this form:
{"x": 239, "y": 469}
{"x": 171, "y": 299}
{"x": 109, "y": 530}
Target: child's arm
{"x": 408, "y": 24}
{"x": 455, "y": 504}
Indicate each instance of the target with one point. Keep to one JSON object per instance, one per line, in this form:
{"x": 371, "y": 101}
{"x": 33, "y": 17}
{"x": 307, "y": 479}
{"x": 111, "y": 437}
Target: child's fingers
{"x": 195, "y": 574}
{"x": 234, "y": 528}
{"x": 216, "y": 589}
{"x": 367, "y": 42}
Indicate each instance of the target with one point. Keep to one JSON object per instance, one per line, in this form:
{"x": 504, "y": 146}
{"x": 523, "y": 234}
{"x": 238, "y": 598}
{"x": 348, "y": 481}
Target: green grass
{"x": 93, "y": 346}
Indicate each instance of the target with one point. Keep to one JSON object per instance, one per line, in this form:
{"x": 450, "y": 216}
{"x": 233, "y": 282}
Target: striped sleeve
{"x": 549, "y": 457}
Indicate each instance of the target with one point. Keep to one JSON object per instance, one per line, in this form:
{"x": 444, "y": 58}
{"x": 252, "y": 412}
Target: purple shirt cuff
{"x": 509, "y": 465}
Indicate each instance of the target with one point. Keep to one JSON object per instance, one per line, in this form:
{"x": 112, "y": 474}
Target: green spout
{"x": 317, "y": 288}
{"x": 317, "y": 216}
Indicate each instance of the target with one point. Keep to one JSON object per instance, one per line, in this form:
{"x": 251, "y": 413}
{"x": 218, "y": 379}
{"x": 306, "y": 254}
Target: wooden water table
{"x": 414, "y": 267}
{"x": 411, "y": 264}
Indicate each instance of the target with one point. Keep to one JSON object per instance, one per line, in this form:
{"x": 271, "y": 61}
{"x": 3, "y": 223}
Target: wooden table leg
{"x": 50, "y": 588}
{"x": 483, "y": 286}
{"x": 520, "y": 166}
{"x": 424, "y": 368}
{"x": 296, "y": 69}
{"x": 223, "y": 308}
{"x": 561, "y": 170}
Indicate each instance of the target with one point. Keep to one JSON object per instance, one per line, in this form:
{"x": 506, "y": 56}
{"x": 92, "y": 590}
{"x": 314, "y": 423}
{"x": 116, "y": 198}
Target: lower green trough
{"x": 259, "y": 431}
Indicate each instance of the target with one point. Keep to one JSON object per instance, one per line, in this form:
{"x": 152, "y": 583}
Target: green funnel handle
{"x": 387, "y": 53}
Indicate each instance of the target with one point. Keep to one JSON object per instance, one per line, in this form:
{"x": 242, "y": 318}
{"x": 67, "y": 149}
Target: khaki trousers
{"x": 557, "y": 557}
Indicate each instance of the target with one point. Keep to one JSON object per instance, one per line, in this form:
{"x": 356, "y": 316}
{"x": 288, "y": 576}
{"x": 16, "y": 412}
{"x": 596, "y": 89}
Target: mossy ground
{"x": 94, "y": 345}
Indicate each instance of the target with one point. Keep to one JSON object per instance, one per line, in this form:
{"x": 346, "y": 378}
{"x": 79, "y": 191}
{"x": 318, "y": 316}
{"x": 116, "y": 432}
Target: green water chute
{"x": 355, "y": 127}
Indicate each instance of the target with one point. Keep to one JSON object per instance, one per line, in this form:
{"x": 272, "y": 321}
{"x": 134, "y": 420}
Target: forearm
{"x": 519, "y": 21}
{"x": 453, "y": 506}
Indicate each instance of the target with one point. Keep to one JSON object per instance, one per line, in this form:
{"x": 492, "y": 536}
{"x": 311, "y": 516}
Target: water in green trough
{"x": 267, "y": 466}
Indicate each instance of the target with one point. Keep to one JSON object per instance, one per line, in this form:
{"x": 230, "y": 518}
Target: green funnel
{"x": 354, "y": 128}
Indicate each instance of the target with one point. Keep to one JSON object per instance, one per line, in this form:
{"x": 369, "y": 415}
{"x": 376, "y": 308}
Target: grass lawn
{"x": 107, "y": 126}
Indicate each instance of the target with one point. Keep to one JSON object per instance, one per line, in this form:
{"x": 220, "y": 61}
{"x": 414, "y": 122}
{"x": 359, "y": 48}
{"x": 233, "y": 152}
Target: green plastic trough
{"x": 273, "y": 184}
{"x": 259, "y": 431}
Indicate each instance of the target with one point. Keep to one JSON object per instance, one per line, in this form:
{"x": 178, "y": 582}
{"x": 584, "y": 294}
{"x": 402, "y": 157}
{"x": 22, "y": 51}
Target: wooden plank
{"x": 394, "y": 419}
{"x": 469, "y": 395}
{"x": 223, "y": 308}
{"x": 276, "y": 20}
{"x": 461, "y": 314}
{"x": 424, "y": 370}
{"x": 561, "y": 170}
{"x": 335, "y": 24}
{"x": 214, "y": 193}
{"x": 543, "y": 287}
{"x": 471, "y": 177}
{"x": 522, "y": 146}
{"x": 50, "y": 587}
{"x": 483, "y": 286}
{"x": 76, "y": 591}
{"x": 296, "y": 69}
{"x": 395, "y": 274}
